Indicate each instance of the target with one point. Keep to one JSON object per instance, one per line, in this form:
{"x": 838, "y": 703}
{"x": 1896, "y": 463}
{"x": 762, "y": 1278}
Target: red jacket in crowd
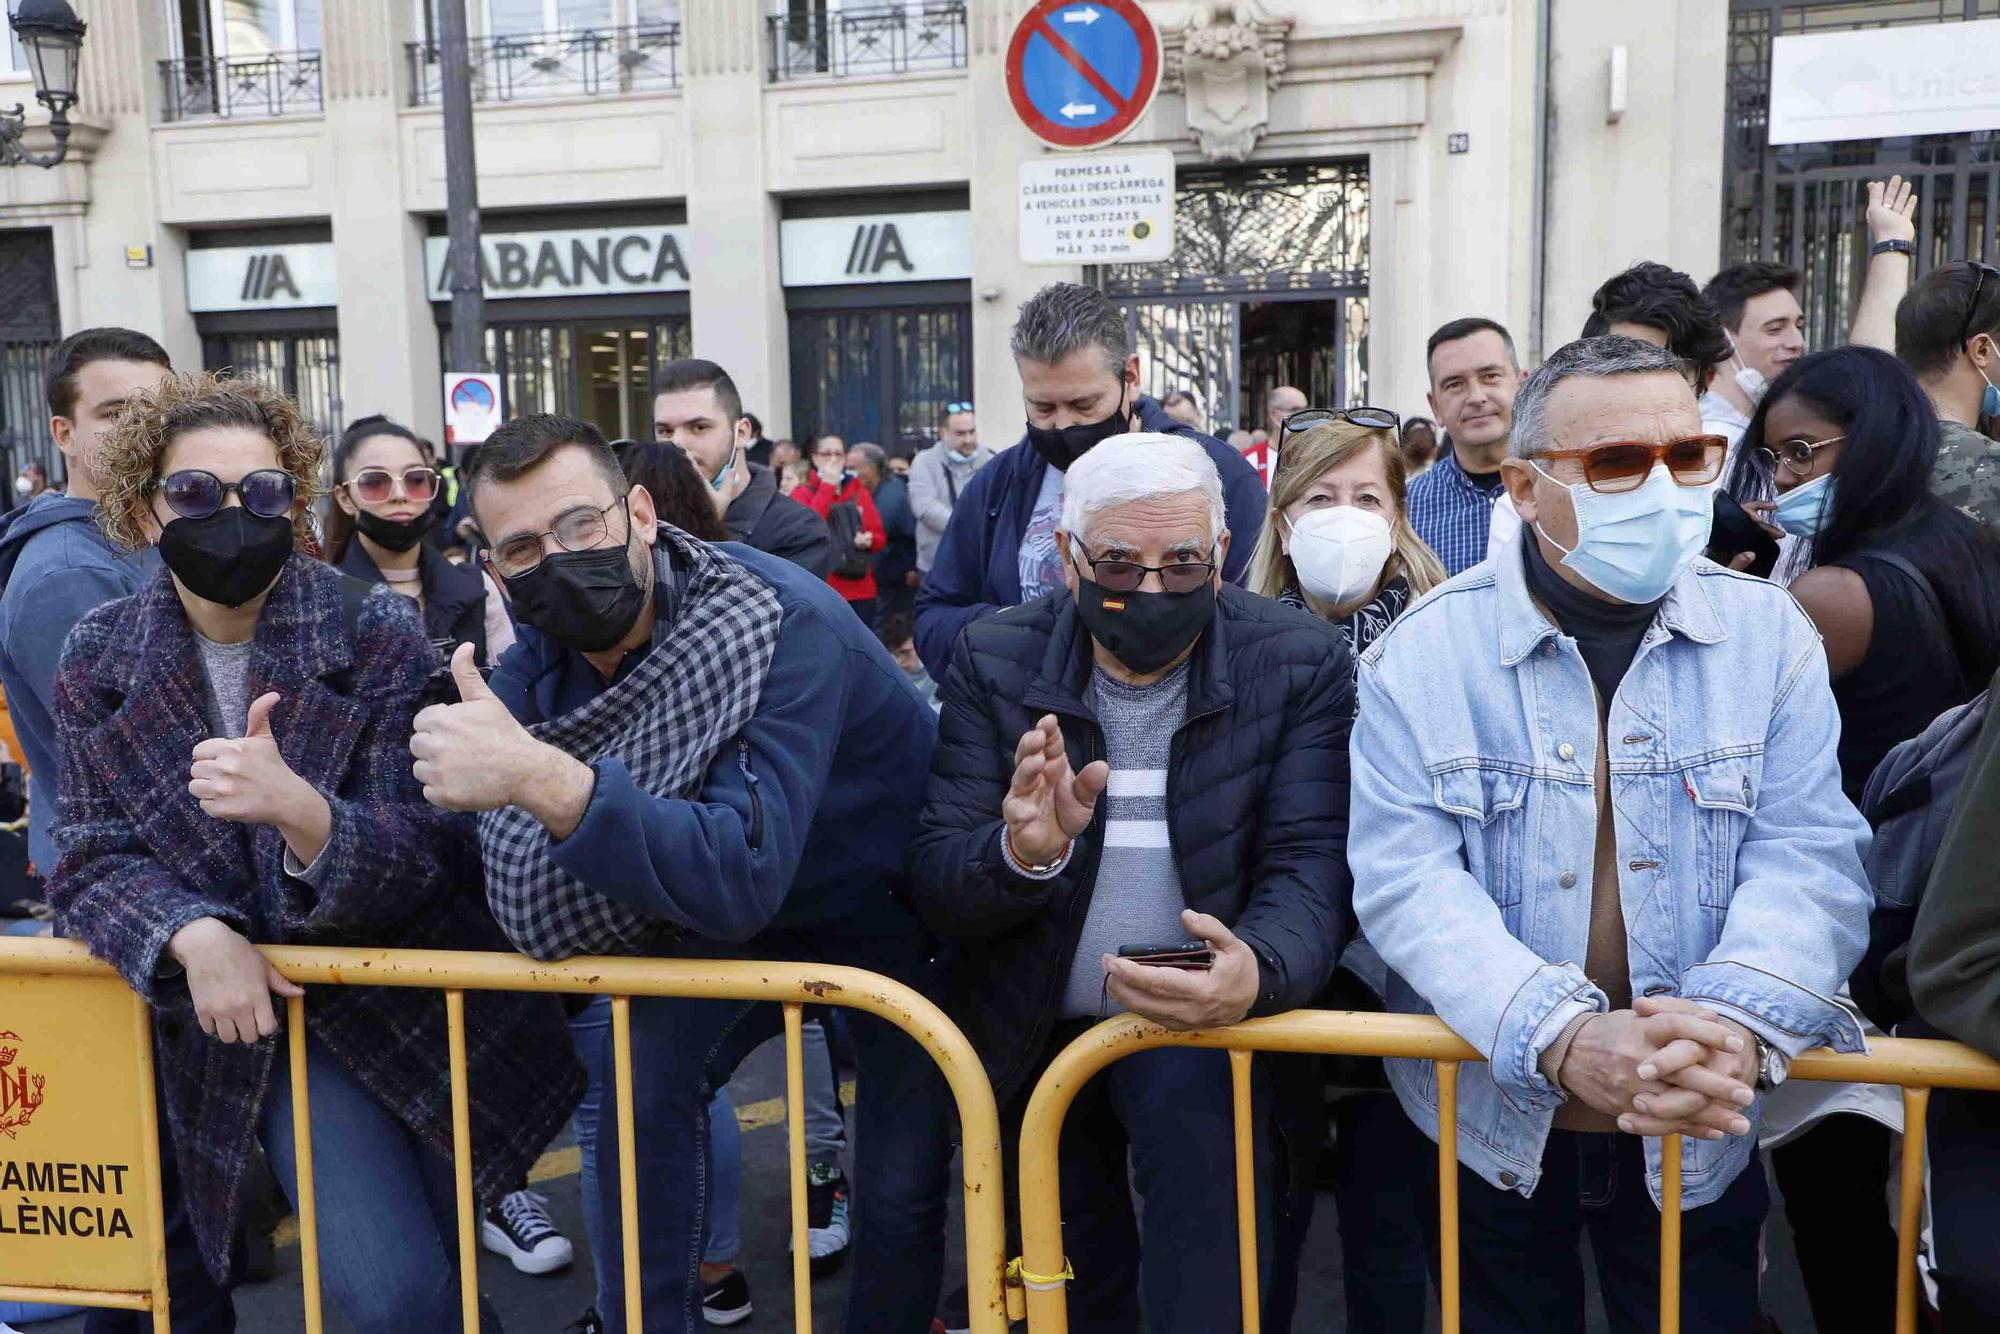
{"x": 818, "y": 497}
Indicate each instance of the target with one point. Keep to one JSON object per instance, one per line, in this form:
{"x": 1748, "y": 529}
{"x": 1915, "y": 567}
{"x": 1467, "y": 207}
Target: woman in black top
{"x": 382, "y": 509}
{"x": 1904, "y": 588}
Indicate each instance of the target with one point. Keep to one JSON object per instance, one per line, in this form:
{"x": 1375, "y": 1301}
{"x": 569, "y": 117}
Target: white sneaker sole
{"x": 556, "y": 1254}
{"x": 734, "y": 1316}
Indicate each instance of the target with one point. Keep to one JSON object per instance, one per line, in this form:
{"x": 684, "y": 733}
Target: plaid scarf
{"x": 696, "y": 688}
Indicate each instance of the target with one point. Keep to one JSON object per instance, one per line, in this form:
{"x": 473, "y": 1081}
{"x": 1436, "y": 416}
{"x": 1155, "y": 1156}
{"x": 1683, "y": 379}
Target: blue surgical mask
{"x": 1634, "y": 544}
{"x": 1989, "y": 398}
{"x": 1804, "y": 510}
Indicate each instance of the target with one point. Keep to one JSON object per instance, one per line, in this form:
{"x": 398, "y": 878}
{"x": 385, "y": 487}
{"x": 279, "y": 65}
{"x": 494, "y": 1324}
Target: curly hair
{"x": 128, "y": 462}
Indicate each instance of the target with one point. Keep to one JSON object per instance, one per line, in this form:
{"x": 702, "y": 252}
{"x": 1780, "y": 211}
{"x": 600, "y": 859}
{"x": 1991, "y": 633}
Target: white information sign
{"x": 1883, "y": 83}
{"x": 1107, "y": 208}
{"x": 471, "y": 407}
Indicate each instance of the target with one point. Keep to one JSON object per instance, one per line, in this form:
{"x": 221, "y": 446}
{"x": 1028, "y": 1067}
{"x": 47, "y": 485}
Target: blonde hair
{"x": 128, "y": 462}
{"x": 1305, "y": 458}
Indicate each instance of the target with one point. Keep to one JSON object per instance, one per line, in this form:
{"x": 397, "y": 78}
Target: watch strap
{"x": 1892, "y": 247}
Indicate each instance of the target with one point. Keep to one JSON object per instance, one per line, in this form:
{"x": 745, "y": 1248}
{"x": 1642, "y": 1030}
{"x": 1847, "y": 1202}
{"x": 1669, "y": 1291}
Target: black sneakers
{"x": 519, "y": 1228}
{"x": 727, "y": 1300}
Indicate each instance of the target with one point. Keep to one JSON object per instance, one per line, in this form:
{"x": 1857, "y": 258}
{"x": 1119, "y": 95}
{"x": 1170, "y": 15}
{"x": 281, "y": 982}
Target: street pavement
{"x": 547, "y": 1305}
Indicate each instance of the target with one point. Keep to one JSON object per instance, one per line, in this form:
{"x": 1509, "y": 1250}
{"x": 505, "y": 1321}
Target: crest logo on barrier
{"x": 21, "y": 1090}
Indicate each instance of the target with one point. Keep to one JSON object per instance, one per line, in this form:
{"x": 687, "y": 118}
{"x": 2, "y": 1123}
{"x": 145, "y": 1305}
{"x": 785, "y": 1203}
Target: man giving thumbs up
{"x": 474, "y": 756}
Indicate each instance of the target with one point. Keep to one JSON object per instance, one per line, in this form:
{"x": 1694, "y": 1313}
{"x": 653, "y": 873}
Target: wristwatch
{"x": 1772, "y": 1066}
{"x": 1895, "y": 247}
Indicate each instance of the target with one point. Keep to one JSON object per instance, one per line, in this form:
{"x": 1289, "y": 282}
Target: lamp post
{"x": 52, "y": 36}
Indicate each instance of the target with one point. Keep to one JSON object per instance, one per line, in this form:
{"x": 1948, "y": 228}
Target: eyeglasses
{"x": 1125, "y": 576}
{"x": 953, "y": 409}
{"x": 194, "y": 493}
{"x": 1623, "y": 465}
{"x": 372, "y": 486}
{"x": 1796, "y": 454}
{"x": 1972, "y": 307}
{"x": 1375, "y": 419}
{"x": 579, "y": 529}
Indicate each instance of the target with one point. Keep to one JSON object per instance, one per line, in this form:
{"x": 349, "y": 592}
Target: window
{"x": 242, "y": 58}
{"x": 526, "y": 49}
{"x": 518, "y": 18}
{"x": 243, "y": 29}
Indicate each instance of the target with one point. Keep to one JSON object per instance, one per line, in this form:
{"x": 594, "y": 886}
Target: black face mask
{"x": 1145, "y": 631}
{"x": 229, "y": 557}
{"x": 584, "y": 600}
{"x": 1065, "y": 446}
{"x": 394, "y": 534}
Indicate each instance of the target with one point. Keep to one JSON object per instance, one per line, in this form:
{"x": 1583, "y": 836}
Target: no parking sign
{"x": 471, "y": 407}
{"x": 1082, "y": 72}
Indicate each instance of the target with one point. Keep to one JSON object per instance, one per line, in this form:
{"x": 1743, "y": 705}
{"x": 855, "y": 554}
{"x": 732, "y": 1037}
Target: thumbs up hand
{"x": 244, "y": 780}
{"x": 474, "y": 756}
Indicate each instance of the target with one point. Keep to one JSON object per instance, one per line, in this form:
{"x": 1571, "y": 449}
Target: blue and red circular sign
{"x": 1082, "y": 72}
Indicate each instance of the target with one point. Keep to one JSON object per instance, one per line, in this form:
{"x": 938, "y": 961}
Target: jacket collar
{"x": 1069, "y": 659}
{"x": 747, "y": 510}
{"x": 1524, "y": 627}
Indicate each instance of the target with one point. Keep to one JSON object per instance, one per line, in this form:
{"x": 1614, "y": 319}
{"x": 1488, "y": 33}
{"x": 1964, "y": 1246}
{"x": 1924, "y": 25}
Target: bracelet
{"x": 1047, "y": 871}
{"x": 1892, "y": 248}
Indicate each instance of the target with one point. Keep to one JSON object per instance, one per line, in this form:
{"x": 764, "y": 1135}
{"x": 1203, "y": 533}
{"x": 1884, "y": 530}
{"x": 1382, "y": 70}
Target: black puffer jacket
{"x": 1256, "y": 810}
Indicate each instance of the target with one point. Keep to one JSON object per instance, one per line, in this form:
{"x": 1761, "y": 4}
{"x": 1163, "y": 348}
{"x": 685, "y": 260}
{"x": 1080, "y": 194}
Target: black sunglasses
{"x": 195, "y": 493}
{"x": 1972, "y": 307}
{"x": 1115, "y": 575}
{"x": 1375, "y": 419}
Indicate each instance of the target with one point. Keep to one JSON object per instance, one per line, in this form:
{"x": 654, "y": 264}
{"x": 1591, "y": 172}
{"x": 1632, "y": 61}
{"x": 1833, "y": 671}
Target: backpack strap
{"x": 1931, "y": 600}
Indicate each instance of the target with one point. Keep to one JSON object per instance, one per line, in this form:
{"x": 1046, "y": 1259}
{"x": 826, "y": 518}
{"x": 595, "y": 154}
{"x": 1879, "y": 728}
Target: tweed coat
{"x": 140, "y": 860}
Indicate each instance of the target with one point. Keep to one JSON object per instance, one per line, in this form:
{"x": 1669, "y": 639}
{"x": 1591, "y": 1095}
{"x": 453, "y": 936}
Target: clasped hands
{"x": 1046, "y": 807}
{"x": 1664, "y": 1067}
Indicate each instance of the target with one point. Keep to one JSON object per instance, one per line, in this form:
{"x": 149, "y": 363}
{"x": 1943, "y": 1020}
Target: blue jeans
{"x": 722, "y": 1240}
{"x": 388, "y": 1216}
{"x": 1171, "y": 1108}
{"x": 682, "y": 1050}
{"x": 1522, "y": 1261}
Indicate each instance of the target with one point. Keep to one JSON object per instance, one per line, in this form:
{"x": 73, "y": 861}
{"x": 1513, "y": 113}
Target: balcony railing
{"x": 886, "y": 39}
{"x": 587, "y": 62}
{"x": 284, "y": 83}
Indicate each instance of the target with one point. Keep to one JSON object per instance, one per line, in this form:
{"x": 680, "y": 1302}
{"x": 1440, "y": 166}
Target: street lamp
{"x": 52, "y": 36}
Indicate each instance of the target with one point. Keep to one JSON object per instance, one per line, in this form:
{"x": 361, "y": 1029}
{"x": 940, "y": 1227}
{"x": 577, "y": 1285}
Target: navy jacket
{"x": 454, "y": 597}
{"x": 803, "y": 826}
{"x": 892, "y": 502}
{"x": 977, "y": 568}
{"x": 55, "y": 565}
{"x": 1256, "y": 811}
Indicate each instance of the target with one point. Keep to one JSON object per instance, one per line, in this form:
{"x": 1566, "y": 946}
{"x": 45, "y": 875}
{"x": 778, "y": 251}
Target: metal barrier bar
{"x": 628, "y": 1158}
{"x": 620, "y": 978}
{"x": 302, "y": 1155}
{"x": 461, "y": 1153}
{"x": 1670, "y": 1235}
{"x": 1910, "y": 1206}
{"x": 1246, "y": 1193}
{"x": 1916, "y": 1064}
{"x": 1447, "y": 1086}
{"x": 795, "y": 1131}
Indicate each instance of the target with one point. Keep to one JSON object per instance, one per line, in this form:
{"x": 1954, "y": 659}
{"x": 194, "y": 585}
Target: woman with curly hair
{"x": 235, "y": 772}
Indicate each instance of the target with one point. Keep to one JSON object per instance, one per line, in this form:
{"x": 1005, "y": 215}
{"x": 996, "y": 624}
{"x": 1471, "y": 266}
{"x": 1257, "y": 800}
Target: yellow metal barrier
{"x": 1918, "y": 1066}
{"x": 124, "y": 1054}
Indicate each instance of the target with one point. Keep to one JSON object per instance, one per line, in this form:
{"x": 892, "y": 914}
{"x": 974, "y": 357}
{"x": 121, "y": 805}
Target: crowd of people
{"x": 1629, "y": 716}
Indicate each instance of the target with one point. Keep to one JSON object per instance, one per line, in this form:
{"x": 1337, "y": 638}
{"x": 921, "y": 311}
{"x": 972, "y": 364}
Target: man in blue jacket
{"x": 55, "y": 563}
{"x": 1080, "y": 386}
{"x": 696, "y": 750}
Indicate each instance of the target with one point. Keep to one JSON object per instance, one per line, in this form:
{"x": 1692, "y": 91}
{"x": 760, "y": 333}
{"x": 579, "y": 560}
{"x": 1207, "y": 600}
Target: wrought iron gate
{"x": 30, "y": 327}
{"x": 1804, "y": 204}
{"x": 879, "y": 374}
{"x": 1268, "y": 285}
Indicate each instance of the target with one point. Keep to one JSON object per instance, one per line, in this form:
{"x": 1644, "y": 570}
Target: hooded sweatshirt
{"x": 55, "y": 565}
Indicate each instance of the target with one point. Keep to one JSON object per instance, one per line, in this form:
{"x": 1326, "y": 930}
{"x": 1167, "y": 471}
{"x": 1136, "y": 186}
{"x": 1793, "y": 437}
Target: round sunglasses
{"x": 372, "y": 486}
{"x": 194, "y": 493}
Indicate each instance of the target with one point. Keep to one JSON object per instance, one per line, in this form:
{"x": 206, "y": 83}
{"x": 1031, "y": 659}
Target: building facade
{"x": 822, "y": 196}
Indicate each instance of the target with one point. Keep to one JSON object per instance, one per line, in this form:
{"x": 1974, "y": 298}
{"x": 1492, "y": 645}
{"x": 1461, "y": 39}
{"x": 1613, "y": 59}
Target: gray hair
{"x": 1142, "y": 465}
{"x": 1064, "y": 317}
{"x": 1606, "y": 354}
{"x": 871, "y": 453}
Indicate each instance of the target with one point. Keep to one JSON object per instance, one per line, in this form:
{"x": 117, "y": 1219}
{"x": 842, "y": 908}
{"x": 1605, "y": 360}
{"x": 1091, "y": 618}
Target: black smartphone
{"x": 1734, "y": 532}
{"x": 1196, "y": 954}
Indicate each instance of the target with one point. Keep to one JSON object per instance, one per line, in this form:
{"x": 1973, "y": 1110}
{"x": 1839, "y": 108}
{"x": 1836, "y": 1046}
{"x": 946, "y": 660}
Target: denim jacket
{"x": 1474, "y": 825}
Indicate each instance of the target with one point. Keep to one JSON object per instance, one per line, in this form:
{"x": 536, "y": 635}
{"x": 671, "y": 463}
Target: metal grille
{"x": 1267, "y": 285}
{"x": 286, "y": 83}
{"x": 881, "y": 374}
{"x": 29, "y": 331}
{"x": 303, "y": 366}
{"x": 1805, "y": 204}
{"x": 590, "y": 62}
{"x": 809, "y": 42}
{"x": 598, "y": 370}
